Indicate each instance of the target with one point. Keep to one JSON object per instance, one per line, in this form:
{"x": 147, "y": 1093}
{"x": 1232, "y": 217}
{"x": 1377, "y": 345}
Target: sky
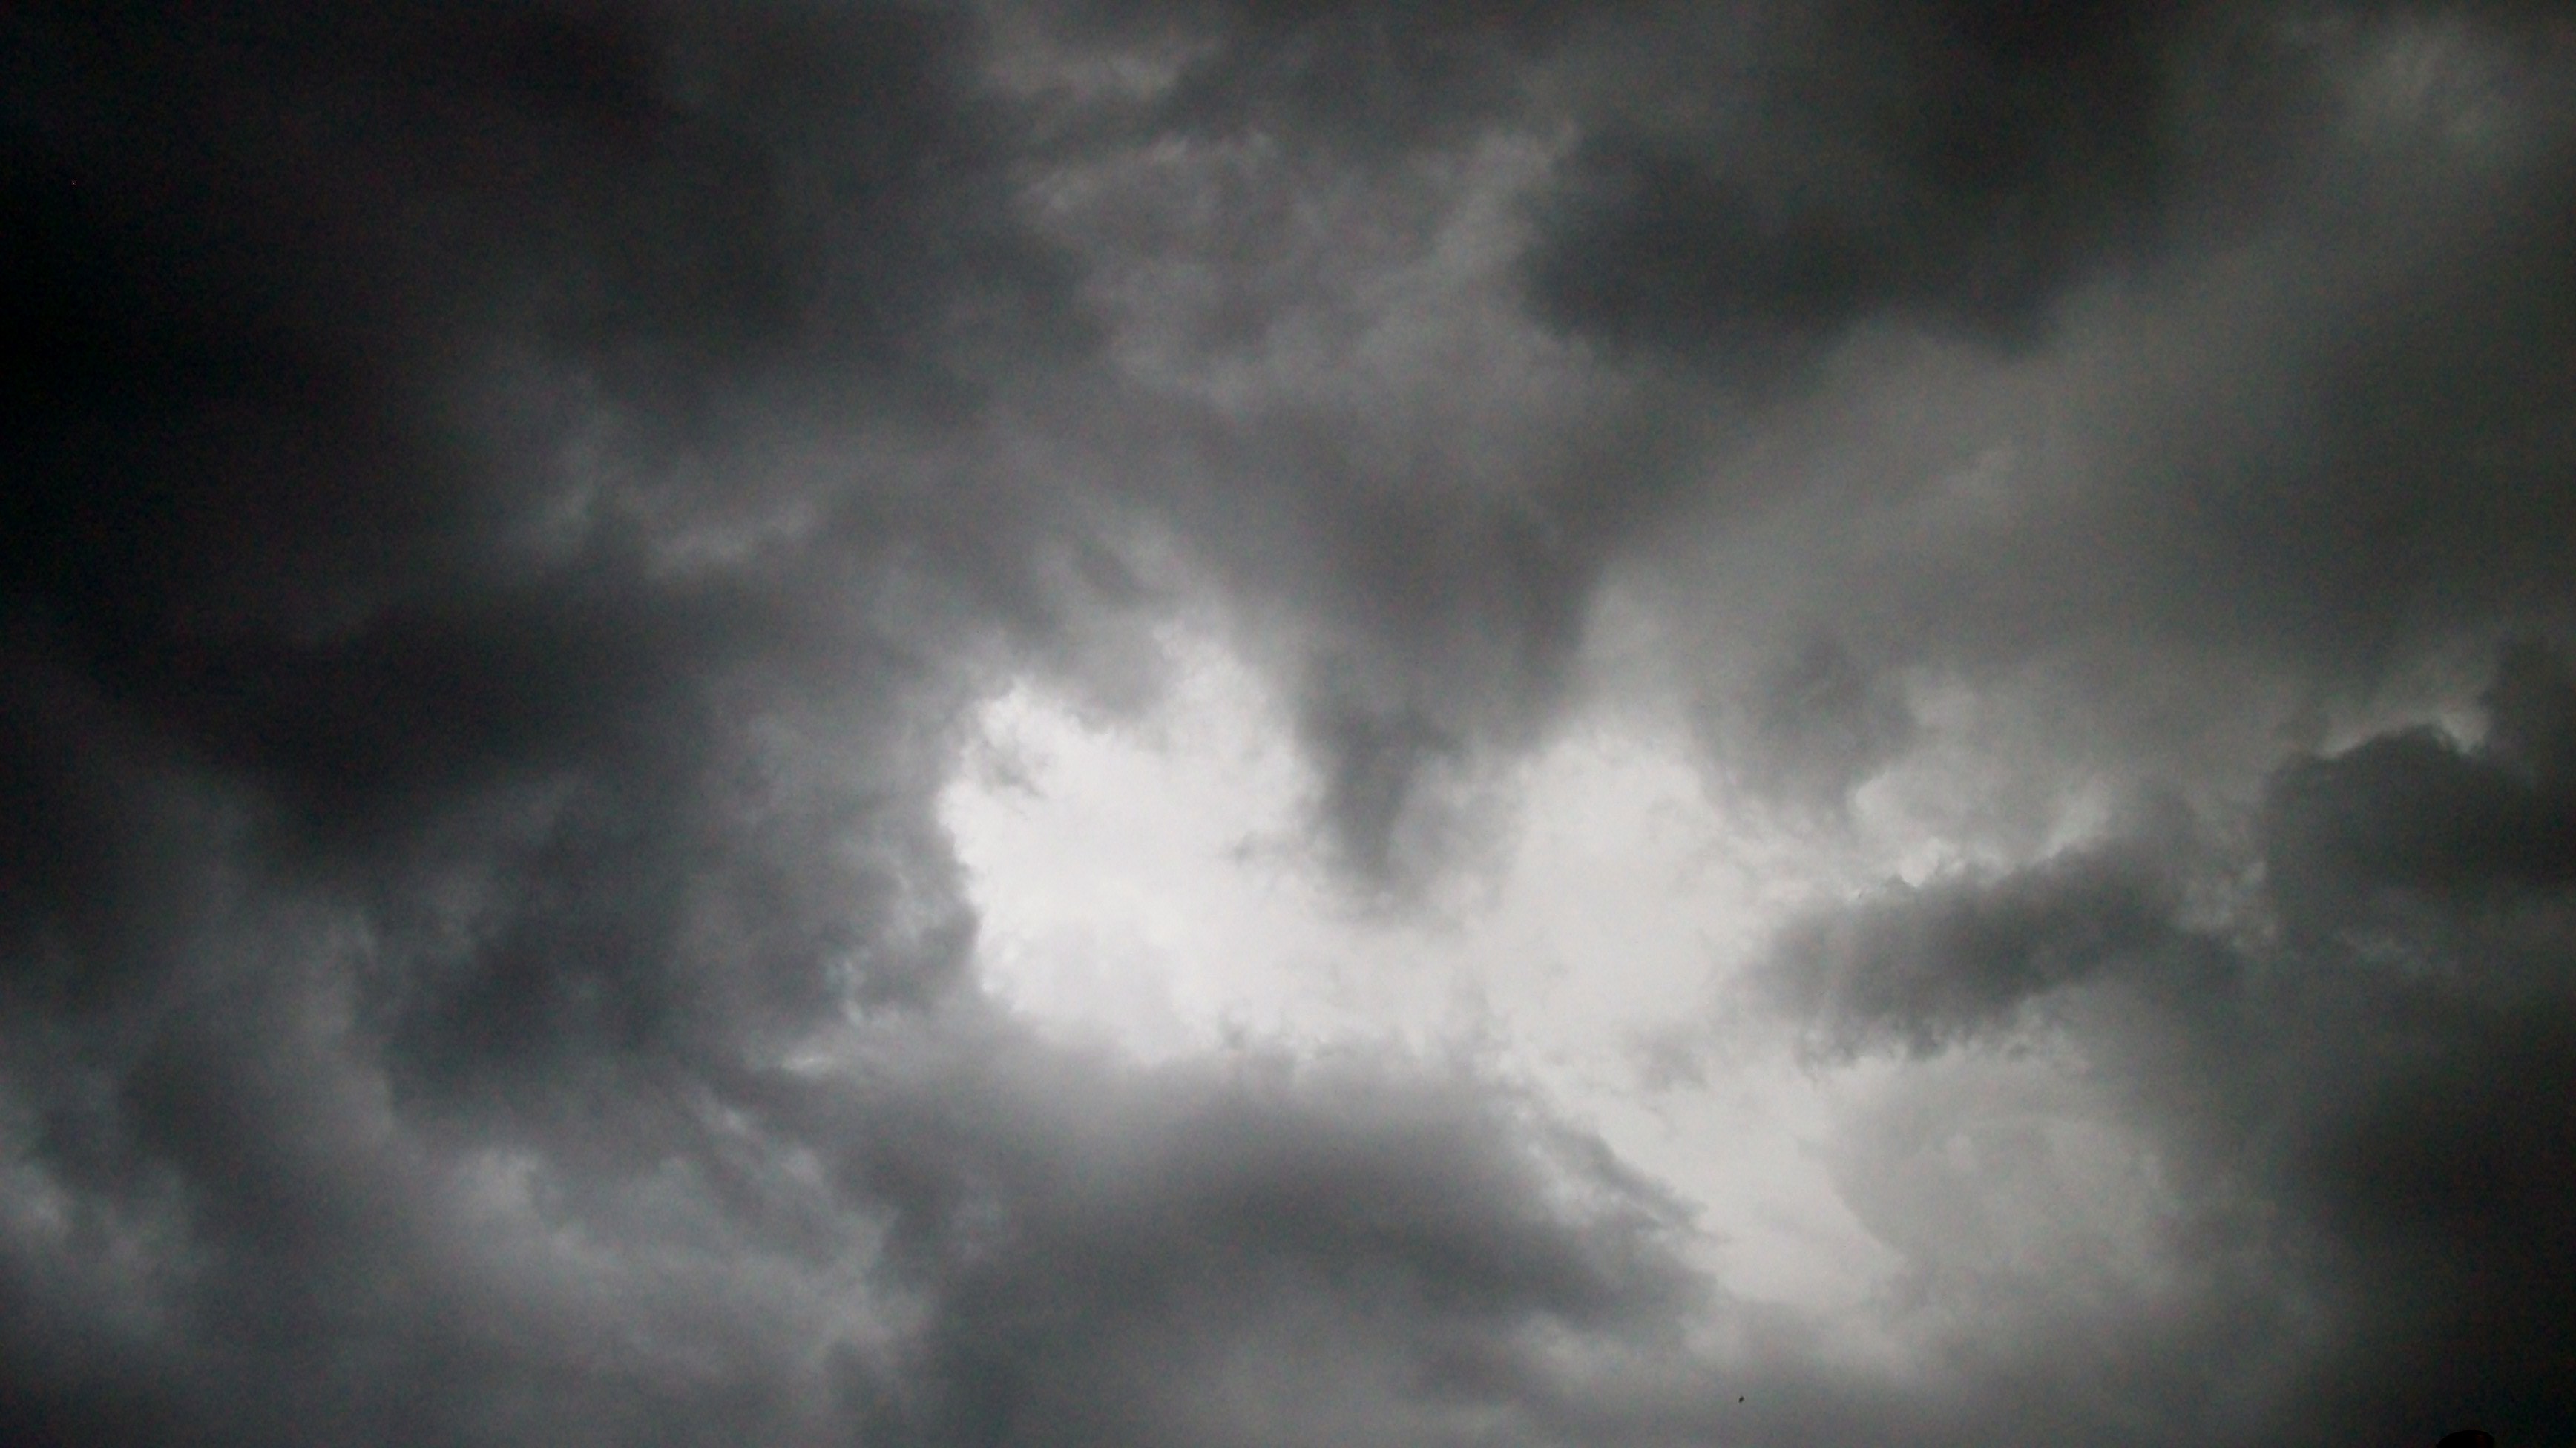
{"x": 1216, "y": 722}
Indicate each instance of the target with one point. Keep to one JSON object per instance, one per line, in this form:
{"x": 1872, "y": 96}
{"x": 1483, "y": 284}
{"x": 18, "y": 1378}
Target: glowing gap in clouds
{"x": 1144, "y": 885}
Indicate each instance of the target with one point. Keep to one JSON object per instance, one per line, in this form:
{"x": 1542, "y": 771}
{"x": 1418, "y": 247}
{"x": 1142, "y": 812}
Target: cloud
{"x": 1958, "y": 163}
{"x": 2416, "y": 814}
{"x": 510, "y": 512}
{"x": 2290, "y": 442}
{"x": 511, "y": 515}
{"x": 446, "y": 729}
{"x": 1312, "y": 1253}
{"x": 1924, "y": 966}
{"x": 2337, "y": 1092}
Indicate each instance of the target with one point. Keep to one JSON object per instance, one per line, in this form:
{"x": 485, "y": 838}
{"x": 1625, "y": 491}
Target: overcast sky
{"x": 1183, "y": 723}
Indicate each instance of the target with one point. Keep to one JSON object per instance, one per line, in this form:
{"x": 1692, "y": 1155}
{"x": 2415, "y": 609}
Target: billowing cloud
{"x": 2331, "y": 1082}
{"x": 516, "y": 516}
{"x": 1927, "y": 964}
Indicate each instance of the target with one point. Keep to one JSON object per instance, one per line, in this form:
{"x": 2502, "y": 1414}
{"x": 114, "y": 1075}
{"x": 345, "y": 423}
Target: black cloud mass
{"x": 511, "y": 511}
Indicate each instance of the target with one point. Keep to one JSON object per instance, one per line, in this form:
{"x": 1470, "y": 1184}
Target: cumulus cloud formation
{"x": 515, "y": 516}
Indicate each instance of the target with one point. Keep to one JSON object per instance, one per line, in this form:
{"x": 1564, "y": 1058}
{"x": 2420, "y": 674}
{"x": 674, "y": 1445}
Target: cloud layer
{"x": 511, "y": 514}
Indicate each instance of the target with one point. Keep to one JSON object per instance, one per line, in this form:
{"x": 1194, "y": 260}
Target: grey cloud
{"x": 1425, "y": 602}
{"x": 1317, "y": 1256}
{"x": 507, "y": 513}
{"x": 2416, "y": 814}
{"x": 1415, "y": 506}
{"x": 376, "y": 366}
{"x": 1463, "y": 620}
{"x": 2243, "y": 345}
{"x": 1820, "y": 723}
{"x": 2295, "y": 471}
{"x": 406, "y": 781}
{"x": 2276, "y": 417}
{"x": 1955, "y": 163}
{"x": 952, "y": 1235}
{"x": 1926, "y": 966}
{"x": 506, "y": 522}
{"x": 2345, "y": 1139}
{"x": 2283, "y": 439}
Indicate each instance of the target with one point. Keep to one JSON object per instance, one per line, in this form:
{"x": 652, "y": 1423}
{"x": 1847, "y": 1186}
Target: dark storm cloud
{"x": 2260, "y": 394}
{"x": 504, "y": 510}
{"x": 1311, "y": 1253}
{"x": 377, "y": 368}
{"x": 952, "y": 1238}
{"x": 2288, "y": 462}
{"x": 2353, "y": 1091}
{"x": 2156, "y": 379}
{"x": 1956, "y": 163}
{"x": 1423, "y": 534}
{"x": 507, "y": 508}
{"x": 1924, "y": 966}
{"x": 401, "y": 770}
{"x": 2242, "y": 341}
{"x": 2416, "y": 814}
{"x": 1454, "y": 626}
{"x": 2340, "y": 1079}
